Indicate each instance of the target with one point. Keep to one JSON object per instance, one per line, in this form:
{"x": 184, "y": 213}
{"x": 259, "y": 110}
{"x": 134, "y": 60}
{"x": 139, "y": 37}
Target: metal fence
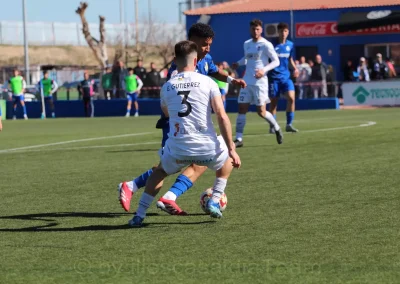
{"x": 53, "y": 33}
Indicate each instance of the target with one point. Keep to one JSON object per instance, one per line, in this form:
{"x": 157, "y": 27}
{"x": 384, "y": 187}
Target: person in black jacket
{"x": 153, "y": 81}
{"x": 118, "y": 79}
{"x": 319, "y": 75}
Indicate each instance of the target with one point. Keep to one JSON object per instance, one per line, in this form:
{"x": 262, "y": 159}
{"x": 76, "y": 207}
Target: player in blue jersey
{"x": 203, "y": 36}
{"x": 279, "y": 78}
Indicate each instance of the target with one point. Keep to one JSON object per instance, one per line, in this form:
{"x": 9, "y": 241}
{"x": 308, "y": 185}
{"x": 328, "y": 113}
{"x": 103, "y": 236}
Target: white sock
{"x": 271, "y": 120}
{"x": 170, "y": 196}
{"x": 144, "y": 204}
{"x": 132, "y": 186}
{"x": 218, "y": 189}
{"x": 240, "y": 124}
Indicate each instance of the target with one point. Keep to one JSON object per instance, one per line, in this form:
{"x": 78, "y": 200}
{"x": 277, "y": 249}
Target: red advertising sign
{"x": 325, "y": 29}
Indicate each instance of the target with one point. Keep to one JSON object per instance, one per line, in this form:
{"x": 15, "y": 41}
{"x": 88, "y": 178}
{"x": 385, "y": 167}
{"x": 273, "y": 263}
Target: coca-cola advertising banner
{"x": 321, "y": 29}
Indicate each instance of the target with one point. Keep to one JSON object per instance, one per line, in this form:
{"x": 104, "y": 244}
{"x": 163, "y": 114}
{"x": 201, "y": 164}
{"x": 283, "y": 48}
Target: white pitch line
{"x": 369, "y": 123}
{"x": 74, "y": 141}
{"x": 86, "y": 147}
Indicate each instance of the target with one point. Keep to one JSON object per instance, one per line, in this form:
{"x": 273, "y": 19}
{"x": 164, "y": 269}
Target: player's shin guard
{"x": 271, "y": 120}
{"x": 289, "y": 117}
{"x": 218, "y": 189}
{"x": 144, "y": 204}
{"x": 181, "y": 185}
{"x": 240, "y": 124}
{"x": 140, "y": 181}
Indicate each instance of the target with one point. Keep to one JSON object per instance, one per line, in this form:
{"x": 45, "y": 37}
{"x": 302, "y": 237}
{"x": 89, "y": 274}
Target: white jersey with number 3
{"x": 187, "y": 96}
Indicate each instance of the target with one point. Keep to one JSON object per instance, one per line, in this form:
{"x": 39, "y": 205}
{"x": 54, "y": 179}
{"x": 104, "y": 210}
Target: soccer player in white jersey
{"x": 187, "y": 99}
{"x": 257, "y": 53}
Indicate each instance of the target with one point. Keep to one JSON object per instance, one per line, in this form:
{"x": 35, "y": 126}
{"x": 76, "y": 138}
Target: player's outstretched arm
{"x": 223, "y": 77}
{"x": 225, "y": 125}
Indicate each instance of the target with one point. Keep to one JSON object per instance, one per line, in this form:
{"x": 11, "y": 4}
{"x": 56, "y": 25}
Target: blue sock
{"x": 24, "y": 108}
{"x": 274, "y": 116}
{"x": 141, "y": 180}
{"x": 181, "y": 185}
{"x": 165, "y": 131}
{"x": 15, "y": 109}
{"x": 289, "y": 117}
{"x": 225, "y": 104}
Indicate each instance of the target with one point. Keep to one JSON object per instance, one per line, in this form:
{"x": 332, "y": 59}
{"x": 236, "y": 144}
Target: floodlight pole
{"x": 292, "y": 31}
{"x": 26, "y": 55}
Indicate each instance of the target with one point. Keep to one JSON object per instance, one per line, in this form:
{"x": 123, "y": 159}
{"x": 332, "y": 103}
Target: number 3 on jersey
{"x": 185, "y": 95}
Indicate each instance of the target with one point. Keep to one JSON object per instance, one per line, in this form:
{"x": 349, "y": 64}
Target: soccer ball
{"x": 206, "y": 195}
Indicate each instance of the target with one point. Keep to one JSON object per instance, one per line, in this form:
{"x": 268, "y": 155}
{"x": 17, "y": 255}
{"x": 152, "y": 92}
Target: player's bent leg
{"x": 221, "y": 179}
{"x": 128, "y": 107}
{"x": 153, "y": 186}
{"x": 290, "y": 108}
{"x": 241, "y": 123}
{"x": 182, "y": 184}
{"x": 169, "y": 165}
{"x": 128, "y": 188}
{"x": 274, "y": 92}
{"x": 263, "y": 113}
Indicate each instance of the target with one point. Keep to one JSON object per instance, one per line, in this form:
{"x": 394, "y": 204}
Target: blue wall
{"x": 233, "y": 29}
{"x": 147, "y": 107}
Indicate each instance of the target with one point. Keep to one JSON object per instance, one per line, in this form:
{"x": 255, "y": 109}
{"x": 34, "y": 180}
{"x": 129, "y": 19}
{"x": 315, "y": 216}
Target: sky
{"x": 163, "y": 11}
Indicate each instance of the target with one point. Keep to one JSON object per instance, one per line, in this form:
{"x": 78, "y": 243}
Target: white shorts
{"x": 254, "y": 95}
{"x": 173, "y": 163}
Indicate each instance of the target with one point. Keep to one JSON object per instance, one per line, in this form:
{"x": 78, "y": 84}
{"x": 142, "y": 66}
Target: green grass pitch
{"x": 321, "y": 208}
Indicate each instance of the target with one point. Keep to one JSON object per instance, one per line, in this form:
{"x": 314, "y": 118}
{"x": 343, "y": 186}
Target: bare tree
{"x": 99, "y": 48}
{"x": 166, "y": 41}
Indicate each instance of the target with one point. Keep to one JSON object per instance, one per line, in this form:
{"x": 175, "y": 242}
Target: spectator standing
{"x": 348, "y": 71}
{"x": 381, "y": 70}
{"x": 85, "y": 89}
{"x": 362, "y": 71}
{"x": 330, "y": 79}
{"x": 141, "y": 72}
{"x": 153, "y": 81}
{"x": 304, "y": 76}
{"x": 392, "y": 70}
{"x": 118, "y": 79}
{"x": 318, "y": 76}
{"x": 106, "y": 83}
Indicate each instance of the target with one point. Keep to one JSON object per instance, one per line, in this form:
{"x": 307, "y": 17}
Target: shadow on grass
{"x": 52, "y": 222}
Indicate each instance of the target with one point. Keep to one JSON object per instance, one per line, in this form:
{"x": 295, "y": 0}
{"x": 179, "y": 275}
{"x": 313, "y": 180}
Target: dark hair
{"x": 282, "y": 26}
{"x": 184, "y": 48}
{"x": 256, "y": 23}
{"x": 45, "y": 72}
{"x": 130, "y": 69}
{"x": 201, "y": 30}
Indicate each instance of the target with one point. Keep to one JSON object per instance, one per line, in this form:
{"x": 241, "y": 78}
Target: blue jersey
{"x": 285, "y": 52}
{"x": 205, "y": 66}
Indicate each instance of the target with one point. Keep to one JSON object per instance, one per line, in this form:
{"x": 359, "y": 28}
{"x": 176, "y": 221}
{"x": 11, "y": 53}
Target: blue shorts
{"x": 277, "y": 87}
{"x": 132, "y": 97}
{"x": 48, "y": 98}
{"x": 223, "y": 92}
{"x": 18, "y": 98}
